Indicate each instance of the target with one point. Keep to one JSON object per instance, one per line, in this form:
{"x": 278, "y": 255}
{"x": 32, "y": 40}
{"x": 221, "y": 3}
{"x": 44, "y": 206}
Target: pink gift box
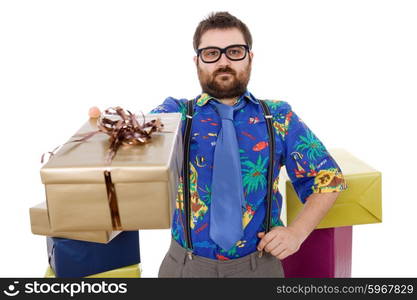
{"x": 325, "y": 253}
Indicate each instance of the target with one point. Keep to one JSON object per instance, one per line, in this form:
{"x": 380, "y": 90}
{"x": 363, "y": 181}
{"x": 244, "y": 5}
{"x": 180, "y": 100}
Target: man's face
{"x": 225, "y": 78}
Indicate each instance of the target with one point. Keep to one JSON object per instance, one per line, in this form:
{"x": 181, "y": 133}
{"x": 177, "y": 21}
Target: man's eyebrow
{"x": 220, "y": 46}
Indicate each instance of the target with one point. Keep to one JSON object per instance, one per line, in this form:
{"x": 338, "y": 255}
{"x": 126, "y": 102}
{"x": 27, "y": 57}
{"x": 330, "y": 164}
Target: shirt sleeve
{"x": 170, "y": 105}
{"x": 309, "y": 165}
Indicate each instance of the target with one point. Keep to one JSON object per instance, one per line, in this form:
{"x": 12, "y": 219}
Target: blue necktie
{"x": 227, "y": 197}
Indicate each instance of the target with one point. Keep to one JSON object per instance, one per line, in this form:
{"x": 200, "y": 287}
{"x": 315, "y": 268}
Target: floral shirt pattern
{"x": 310, "y": 168}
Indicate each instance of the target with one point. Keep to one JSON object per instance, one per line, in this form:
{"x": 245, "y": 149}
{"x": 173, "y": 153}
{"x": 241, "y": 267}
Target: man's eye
{"x": 211, "y": 53}
{"x": 235, "y": 52}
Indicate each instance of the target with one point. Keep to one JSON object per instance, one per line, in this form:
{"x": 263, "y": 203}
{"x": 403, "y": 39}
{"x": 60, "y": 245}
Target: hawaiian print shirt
{"x": 309, "y": 166}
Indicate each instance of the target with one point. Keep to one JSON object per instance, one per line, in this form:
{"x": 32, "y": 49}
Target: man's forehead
{"x": 221, "y": 37}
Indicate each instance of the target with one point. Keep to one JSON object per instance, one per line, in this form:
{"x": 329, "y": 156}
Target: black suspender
{"x": 186, "y": 173}
{"x": 268, "y": 118}
{"x": 186, "y": 169}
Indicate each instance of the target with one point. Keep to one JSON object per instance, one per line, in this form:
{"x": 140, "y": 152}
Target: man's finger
{"x": 94, "y": 112}
{"x": 280, "y": 248}
{"x": 265, "y": 240}
{"x": 284, "y": 254}
{"x": 274, "y": 243}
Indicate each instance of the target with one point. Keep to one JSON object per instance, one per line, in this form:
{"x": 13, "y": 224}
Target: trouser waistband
{"x": 181, "y": 255}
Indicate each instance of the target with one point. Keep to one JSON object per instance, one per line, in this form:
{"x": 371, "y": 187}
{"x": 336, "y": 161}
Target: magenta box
{"x": 325, "y": 253}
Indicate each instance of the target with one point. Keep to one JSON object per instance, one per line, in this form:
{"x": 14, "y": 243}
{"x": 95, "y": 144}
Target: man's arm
{"x": 311, "y": 169}
{"x": 314, "y": 210}
{"x": 169, "y": 105}
{"x": 284, "y": 241}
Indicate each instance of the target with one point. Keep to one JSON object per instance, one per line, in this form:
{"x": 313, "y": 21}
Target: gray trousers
{"x": 177, "y": 263}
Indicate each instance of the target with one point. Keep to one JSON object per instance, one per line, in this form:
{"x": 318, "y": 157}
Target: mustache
{"x": 224, "y": 70}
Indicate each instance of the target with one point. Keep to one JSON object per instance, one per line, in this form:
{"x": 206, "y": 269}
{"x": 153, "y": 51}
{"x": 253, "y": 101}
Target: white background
{"x": 348, "y": 68}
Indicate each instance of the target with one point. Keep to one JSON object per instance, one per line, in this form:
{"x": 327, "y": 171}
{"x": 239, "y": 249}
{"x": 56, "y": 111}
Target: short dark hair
{"x": 221, "y": 20}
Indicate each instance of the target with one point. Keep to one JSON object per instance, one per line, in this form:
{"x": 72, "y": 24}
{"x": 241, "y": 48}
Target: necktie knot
{"x": 226, "y": 111}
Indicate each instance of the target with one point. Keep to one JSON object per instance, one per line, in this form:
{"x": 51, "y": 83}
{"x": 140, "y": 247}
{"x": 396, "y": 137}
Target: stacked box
{"x": 78, "y": 181}
{"x": 326, "y": 253}
{"x": 361, "y": 203}
{"x": 40, "y": 225}
{"x": 132, "y": 271}
{"x": 72, "y": 258}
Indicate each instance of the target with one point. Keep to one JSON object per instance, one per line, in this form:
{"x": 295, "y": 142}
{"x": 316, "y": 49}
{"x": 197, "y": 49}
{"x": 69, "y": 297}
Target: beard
{"x": 222, "y": 86}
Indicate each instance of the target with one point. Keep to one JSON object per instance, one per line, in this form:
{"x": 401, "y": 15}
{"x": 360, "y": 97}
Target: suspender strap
{"x": 268, "y": 118}
{"x": 186, "y": 172}
{"x": 186, "y": 168}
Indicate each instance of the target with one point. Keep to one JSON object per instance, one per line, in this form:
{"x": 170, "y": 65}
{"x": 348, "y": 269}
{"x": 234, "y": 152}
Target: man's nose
{"x": 223, "y": 60}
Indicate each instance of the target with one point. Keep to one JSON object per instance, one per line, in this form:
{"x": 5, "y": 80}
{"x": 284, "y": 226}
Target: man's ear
{"x": 251, "y": 54}
{"x": 195, "y": 59}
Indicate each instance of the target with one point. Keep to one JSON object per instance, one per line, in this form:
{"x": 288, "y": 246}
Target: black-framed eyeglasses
{"x": 232, "y": 52}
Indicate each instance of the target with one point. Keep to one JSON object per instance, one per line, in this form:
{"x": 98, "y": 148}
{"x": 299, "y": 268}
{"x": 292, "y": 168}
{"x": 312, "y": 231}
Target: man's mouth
{"x": 224, "y": 73}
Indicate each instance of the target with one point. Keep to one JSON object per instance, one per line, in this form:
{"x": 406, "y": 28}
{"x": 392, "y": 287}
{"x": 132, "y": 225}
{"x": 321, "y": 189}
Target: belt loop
{"x": 185, "y": 255}
{"x": 253, "y": 261}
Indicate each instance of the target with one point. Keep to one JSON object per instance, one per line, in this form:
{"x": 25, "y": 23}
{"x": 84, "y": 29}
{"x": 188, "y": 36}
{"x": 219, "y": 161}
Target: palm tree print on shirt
{"x": 254, "y": 174}
{"x": 314, "y": 147}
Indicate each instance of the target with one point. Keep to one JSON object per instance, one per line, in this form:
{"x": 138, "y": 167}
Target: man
{"x": 229, "y": 156}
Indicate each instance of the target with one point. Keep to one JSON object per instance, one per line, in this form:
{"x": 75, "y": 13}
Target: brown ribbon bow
{"x": 125, "y": 130}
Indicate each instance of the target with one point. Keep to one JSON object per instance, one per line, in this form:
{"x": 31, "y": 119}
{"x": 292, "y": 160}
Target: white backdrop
{"x": 348, "y": 68}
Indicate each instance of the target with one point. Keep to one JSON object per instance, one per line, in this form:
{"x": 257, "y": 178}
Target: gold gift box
{"x": 361, "y": 203}
{"x": 40, "y": 225}
{"x": 145, "y": 178}
{"x": 132, "y": 271}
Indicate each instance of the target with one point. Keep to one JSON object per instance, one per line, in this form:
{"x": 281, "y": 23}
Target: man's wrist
{"x": 300, "y": 231}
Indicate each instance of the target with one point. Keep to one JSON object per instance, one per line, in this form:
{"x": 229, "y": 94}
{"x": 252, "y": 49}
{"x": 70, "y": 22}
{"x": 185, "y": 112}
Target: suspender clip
{"x": 190, "y": 255}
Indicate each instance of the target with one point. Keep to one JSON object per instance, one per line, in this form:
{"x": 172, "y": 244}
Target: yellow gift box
{"x": 361, "y": 203}
{"x": 40, "y": 225}
{"x": 132, "y": 271}
{"x": 144, "y": 177}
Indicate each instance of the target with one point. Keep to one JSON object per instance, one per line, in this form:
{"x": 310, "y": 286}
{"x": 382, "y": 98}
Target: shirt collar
{"x": 204, "y": 98}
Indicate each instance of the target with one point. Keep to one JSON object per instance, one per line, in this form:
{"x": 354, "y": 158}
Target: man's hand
{"x": 280, "y": 241}
{"x": 94, "y": 112}
{"x": 284, "y": 241}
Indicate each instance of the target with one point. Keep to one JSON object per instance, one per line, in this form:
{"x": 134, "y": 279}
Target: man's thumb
{"x": 94, "y": 112}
